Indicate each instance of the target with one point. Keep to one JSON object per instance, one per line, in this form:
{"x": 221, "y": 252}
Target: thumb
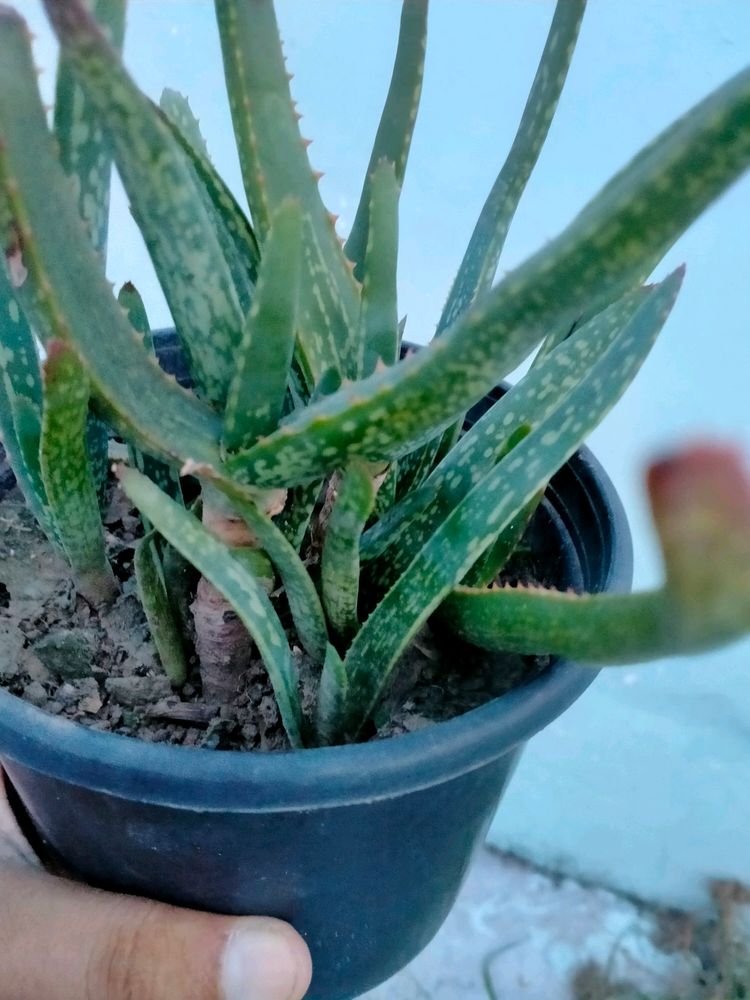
{"x": 63, "y": 941}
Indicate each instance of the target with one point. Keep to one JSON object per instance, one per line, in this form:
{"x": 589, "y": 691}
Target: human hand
{"x": 64, "y": 941}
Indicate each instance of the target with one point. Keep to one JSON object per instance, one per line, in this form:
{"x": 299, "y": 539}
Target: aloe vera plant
{"x": 341, "y": 505}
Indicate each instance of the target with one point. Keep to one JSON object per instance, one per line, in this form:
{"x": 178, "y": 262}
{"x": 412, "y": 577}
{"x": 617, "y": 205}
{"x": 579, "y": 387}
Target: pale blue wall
{"x": 644, "y": 783}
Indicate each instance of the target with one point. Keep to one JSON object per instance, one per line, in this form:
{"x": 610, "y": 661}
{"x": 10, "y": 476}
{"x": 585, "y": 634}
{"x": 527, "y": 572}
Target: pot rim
{"x": 197, "y": 778}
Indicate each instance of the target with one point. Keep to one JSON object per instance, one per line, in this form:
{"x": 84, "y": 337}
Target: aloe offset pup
{"x": 335, "y": 479}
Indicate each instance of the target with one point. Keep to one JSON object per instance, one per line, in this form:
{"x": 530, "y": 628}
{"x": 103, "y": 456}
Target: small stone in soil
{"x": 192, "y": 713}
{"x": 133, "y": 691}
{"x": 67, "y": 653}
{"x": 414, "y": 723}
{"x": 35, "y": 694}
{"x": 67, "y": 694}
{"x": 90, "y": 705}
{"x": 268, "y": 711}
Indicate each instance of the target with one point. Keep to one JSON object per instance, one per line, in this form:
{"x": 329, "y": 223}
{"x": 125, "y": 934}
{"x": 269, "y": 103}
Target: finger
{"x": 63, "y": 941}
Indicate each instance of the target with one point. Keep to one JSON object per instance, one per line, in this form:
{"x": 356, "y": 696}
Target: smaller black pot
{"x": 363, "y": 848}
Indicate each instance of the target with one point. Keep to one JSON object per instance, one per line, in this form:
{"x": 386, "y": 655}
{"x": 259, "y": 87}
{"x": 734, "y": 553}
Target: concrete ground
{"x": 530, "y": 934}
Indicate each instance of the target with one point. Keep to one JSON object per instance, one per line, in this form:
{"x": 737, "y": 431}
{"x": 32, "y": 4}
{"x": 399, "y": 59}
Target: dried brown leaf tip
{"x": 700, "y": 499}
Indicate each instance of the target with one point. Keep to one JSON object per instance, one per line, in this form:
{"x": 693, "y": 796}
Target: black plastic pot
{"x": 363, "y": 848}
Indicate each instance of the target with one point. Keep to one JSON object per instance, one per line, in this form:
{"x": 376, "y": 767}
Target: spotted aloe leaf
{"x": 379, "y": 323}
{"x": 275, "y": 166}
{"x": 386, "y": 495}
{"x": 162, "y": 473}
{"x": 394, "y": 135}
{"x": 69, "y": 485}
{"x": 234, "y": 231}
{"x": 232, "y": 579}
{"x": 524, "y": 407}
{"x": 86, "y": 158}
{"x": 166, "y": 200}
{"x": 478, "y": 267}
{"x": 19, "y": 359}
{"x": 97, "y": 449}
{"x": 60, "y": 284}
{"x": 488, "y": 508}
{"x": 477, "y": 270}
{"x": 294, "y": 520}
{"x": 130, "y": 299}
{"x": 610, "y": 247}
{"x": 386, "y": 531}
{"x": 163, "y": 622}
{"x": 332, "y": 695}
{"x": 486, "y": 569}
{"x": 355, "y": 498}
{"x": 259, "y": 383}
{"x": 21, "y": 404}
{"x": 700, "y": 499}
{"x": 84, "y": 152}
{"x": 177, "y": 109}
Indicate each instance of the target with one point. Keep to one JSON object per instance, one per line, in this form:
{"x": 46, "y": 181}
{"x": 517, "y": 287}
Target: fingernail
{"x": 264, "y": 961}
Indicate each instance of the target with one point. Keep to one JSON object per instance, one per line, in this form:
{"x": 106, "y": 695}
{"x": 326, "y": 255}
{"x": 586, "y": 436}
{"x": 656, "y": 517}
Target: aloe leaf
{"x": 216, "y": 563}
{"x": 610, "y": 247}
{"x": 416, "y": 465}
{"x": 84, "y": 153}
{"x": 332, "y": 693}
{"x": 60, "y": 284}
{"x": 486, "y": 569}
{"x": 162, "y": 473}
{"x": 275, "y": 166}
{"x": 21, "y": 400}
{"x": 258, "y": 387}
{"x": 478, "y": 267}
{"x": 177, "y": 109}
{"x": 21, "y": 403}
{"x": 234, "y": 231}
{"x": 551, "y": 341}
{"x": 130, "y": 299}
{"x": 259, "y": 565}
{"x": 525, "y": 406}
{"x": 700, "y": 500}
{"x": 304, "y": 603}
{"x": 489, "y": 507}
{"x": 386, "y": 495}
{"x": 329, "y": 382}
{"x": 97, "y": 449}
{"x": 165, "y": 198}
{"x": 20, "y": 406}
{"x": 26, "y": 471}
{"x": 600, "y": 629}
{"x": 386, "y": 531}
{"x": 166, "y": 629}
{"x": 19, "y": 360}
{"x": 355, "y": 498}
{"x": 379, "y": 334}
{"x": 24, "y": 423}
{"x": 294, "y": 520}
{"x": 477, "y": 270}
{"x": 179, "y": 582}
{"x": 70, "y": 488}
{"x": 393, "y": 138}
{"x": 86, "y": 158}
